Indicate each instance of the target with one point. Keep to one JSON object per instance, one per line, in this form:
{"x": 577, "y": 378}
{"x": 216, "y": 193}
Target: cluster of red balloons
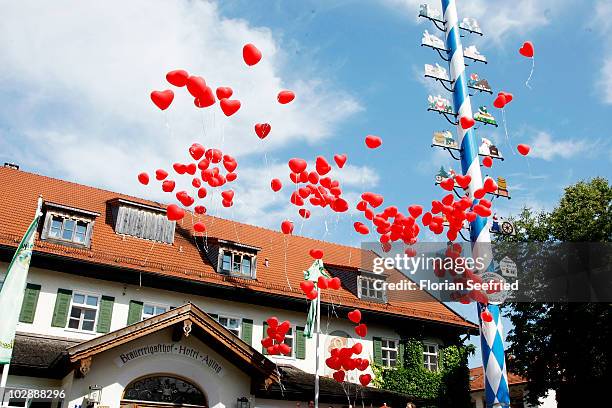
{"x": 323, "y": 282}
{"x": 503, "y": 98}
{"x": 342, "y": 360}
{"x": 275, "y": 340}
{"x": 313, "y": 186}
{"x": 216, "y": 170}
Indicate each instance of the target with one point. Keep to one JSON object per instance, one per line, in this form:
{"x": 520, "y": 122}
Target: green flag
{"x": 312, "y": 274}
{"x": 12, "y": 291}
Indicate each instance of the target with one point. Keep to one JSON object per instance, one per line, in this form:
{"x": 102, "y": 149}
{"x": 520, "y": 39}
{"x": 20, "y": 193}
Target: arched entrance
{"x": 163, "y": 390}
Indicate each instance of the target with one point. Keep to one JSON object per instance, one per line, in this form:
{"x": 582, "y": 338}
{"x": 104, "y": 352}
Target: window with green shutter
{"x": 265, "y": 334}
{"x": 62, "y": 304}
{"x": 105, "y": 315}
{"x": 247, "y": 331}
{"x": 135, "y": 312}
{"x": 300, "y": 343}
{"x": 30, "y": 300}
{"x": 377, "y": 352}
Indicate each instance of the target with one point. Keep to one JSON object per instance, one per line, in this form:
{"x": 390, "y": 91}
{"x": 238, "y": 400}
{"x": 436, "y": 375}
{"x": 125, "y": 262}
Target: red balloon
{"x": 177, "y": 77}
{"x": 463, "y": 181}
{"x": 500, "y": 101}
{"x": 304, "y": 213}
{"x": 365, "y": 379}
{"x": 355, "y": 316}
{"x": 162, "y": 99}
{"x": 287, "y": 227}
{"x": 523, "y": 149}
{"x": 357, "y": 347}
{"x": 190, "y": 168}
{"x": 161, "y": 174}
{"x": 487, "y": 161}
{"x": 143, "y": 178}
{"x": 231, "y": 177}
{"x": 489, "y": 185}
{"x": 466, "y": 122}
{"x": 340, "y": 159}
{"x": 527, "y": 49}
{"x": 486, "y": 316}
{"x": 448, "y": 184}
{"x": 168, "y": 186}
{"x": 251, "y": 54}
{"x": 415, "y": 210}
{"x": 267, "y": 342}
{"x": 230, "y": 106}
{"x": 508, "y": 96}
{"x": 174, "y": 212}
{"x": 224, "y": 92}
{"x": 363, "y": 364}
{"x": 228, "y": 195}
{"x": 340, "y": 205}
{"x": 333, "y": 362}
{"x": 297, "y": 165}
{"x": 205, "y": 99}
{"x": 373, "y": 142}
{"x": 284, "y": 349}
{"x": 334, "y": 283}
{"x": 199, "y": 227}
{"x": 230, "y": 165}
{"x": 262, "y": 130}
{"x": 373, "y": 199}
{"x": 196, "y": 151}
{"x": 276, "y": 185}
{"x": 322, "y": 282}
{"x": 196, "y": 182}
{"x": 312, "y": 295}
{"x": 361, "y": 330}
{"x": 199, "y": 209}
{"x": 338, "y": 376}
{"x": 322, "y": 166}
{"x": 316, "y": 253}
{"x": 196, "y": 86}
{"x": 285, "y": 97}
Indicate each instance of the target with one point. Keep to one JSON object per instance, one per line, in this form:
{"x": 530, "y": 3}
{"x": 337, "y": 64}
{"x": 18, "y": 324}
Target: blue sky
{"x": 76, "y": 79}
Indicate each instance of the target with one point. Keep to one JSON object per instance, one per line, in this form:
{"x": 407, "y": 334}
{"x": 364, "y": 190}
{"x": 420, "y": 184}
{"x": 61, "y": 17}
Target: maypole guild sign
{"x": 432, "y": 41}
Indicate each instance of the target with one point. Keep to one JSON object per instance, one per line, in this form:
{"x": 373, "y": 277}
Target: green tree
{"x": 565, "y": 346}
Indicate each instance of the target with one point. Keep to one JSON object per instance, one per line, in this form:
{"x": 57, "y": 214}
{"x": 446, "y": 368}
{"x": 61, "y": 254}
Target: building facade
{"x": 124, "y": 308}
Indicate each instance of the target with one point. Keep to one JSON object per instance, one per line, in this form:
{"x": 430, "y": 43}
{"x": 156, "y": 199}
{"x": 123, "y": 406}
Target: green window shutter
{"x": 377, "y": 342}
{"x": 401, "y": 350}
{"x": 300, "y": 343}
{"x": 105, "y": 314}
{"x": 265, "y": 334}
{"x": 135, "y": 312}
{"x": 246, "y": 334}
{"x": 62, "y": 304}
{"x": 30, "y": 300}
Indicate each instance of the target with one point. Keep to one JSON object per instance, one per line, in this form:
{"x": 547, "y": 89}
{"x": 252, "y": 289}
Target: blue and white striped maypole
{"x": 491, "y": 333}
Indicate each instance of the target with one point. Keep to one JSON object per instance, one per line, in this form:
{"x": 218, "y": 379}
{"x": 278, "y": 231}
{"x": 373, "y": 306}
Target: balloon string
{"x": 531, "y": 73}
{"x": 508, "y": 142}
{"x": 286, "y": 275}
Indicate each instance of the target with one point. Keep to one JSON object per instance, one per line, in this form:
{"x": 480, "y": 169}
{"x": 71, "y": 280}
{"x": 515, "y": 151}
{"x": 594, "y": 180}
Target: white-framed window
{"x": 83, "y": 311}
{"x": 389, "y": 352}
{"x": 149, "y": 310}
{"x": 232, "y": 324}
{"x": 68, "y": 229}
{"x": 367, "y": 289}
{"x": 238, "y": 264}
{"x": 430, "y": 356}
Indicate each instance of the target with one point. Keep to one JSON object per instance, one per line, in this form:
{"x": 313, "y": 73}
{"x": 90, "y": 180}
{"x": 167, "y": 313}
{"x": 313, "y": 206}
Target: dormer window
{"x": 142, "y": 221}
{"x": 371, "y": 288}
{"x": 237, "y": 259}
{"x": 68, "y": 225}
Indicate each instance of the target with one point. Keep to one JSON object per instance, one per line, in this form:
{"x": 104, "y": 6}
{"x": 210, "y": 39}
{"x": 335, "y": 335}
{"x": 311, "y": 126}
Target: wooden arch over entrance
{"x": 163, "y": 390}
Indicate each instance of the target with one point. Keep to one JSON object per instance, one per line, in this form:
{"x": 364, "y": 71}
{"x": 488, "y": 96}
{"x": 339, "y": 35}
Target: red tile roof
{"x": 477, "y": 379}
{"x": 20, "y": 191}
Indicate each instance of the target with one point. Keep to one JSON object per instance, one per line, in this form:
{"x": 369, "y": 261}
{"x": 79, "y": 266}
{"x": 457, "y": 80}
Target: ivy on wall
{"x": 447, "y": 387}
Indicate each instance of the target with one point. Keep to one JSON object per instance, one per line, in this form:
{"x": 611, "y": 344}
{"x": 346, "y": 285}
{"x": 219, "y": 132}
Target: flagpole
{"x": 6, "y": 367}
{"x": 316, "y": 401}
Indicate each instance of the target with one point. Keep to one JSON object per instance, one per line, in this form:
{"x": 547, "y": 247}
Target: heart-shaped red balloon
{"x": 322, "y": 165}
{"x": 287, "y": 227}
{"x": 322, "y": 282}
{"x": 285, "y": 97}
{"x": 373, "y": 142}
{"x": 174, "y": 212}
{"x": 230, "y": 106}
{"x": 168, "y": 186}
{"x": 262, "y": 130}
{"x": 297, "y": 165}
{"x": 361, "y": 330}
{"x": 316, "y": 253}
{"x": 523, "y": 149}
{"x": 365, "y": 379}
{"x": 340, "y": 159}
{"x": 276, "y": 184}
{"x": 334, "y": 283}
{"x": 466, "y": 122}
{"x": 251, "y": 54}
{"x": 312, "y": 295}
{"x": 415, "y": 210}
{"x": 197, "y": 151}
{"x": 448, "y": 184}
{"x": 205, "y": 99}
{"x": 143, "y": 178}
{"x": 230, "y": 165}
{"x": 162, "y": 99}
{"x": 463, "y": 181}
{"x": 338, "y": 376}
{"x": 191, "y": 168}
{"x": 508, "y": 96}
{"x": 177, "y": 77}
{"x": 284, "y": 349}
{"x": 196, "y": 86}
{"x": 357, "y": 347}
{"x": 340, "y": 205}
{"x": 199, "y": 227}
{"x": 470, "y": 216}
{"x": 527, "y": 49}
{"x": 224, "y": 92}
{"x": 228, "y": 195}
{"x": 199, "y": 209}
{"x": 500, "y": 101}
{"x": 231, "y": 177}
{"x": 487, "y": 161}
{"x": 489, "y": 185}
{"x": 486, "y": 316}
{"x": 355, "y": 316}
{"x": 161, "y": 174}
{"x": 304, "y": 213}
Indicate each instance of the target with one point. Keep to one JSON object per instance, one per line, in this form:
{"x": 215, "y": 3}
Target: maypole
{"x": 491, "y": 333}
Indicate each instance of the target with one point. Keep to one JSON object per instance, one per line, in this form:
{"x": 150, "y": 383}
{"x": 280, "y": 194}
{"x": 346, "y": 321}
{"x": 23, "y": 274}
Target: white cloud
{"x": 543, "y": 146}
{"x": 77, "y": 77}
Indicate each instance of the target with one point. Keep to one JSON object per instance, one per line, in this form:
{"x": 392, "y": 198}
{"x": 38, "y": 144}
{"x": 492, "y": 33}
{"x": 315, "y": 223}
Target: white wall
{"x": 51, "y": 281}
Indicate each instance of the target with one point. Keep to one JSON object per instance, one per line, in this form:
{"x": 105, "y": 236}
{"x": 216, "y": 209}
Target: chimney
{"x": 11, "y": 166}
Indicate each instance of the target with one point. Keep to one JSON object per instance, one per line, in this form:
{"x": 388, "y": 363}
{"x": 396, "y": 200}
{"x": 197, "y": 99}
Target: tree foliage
{"x": 565, "y": 346}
